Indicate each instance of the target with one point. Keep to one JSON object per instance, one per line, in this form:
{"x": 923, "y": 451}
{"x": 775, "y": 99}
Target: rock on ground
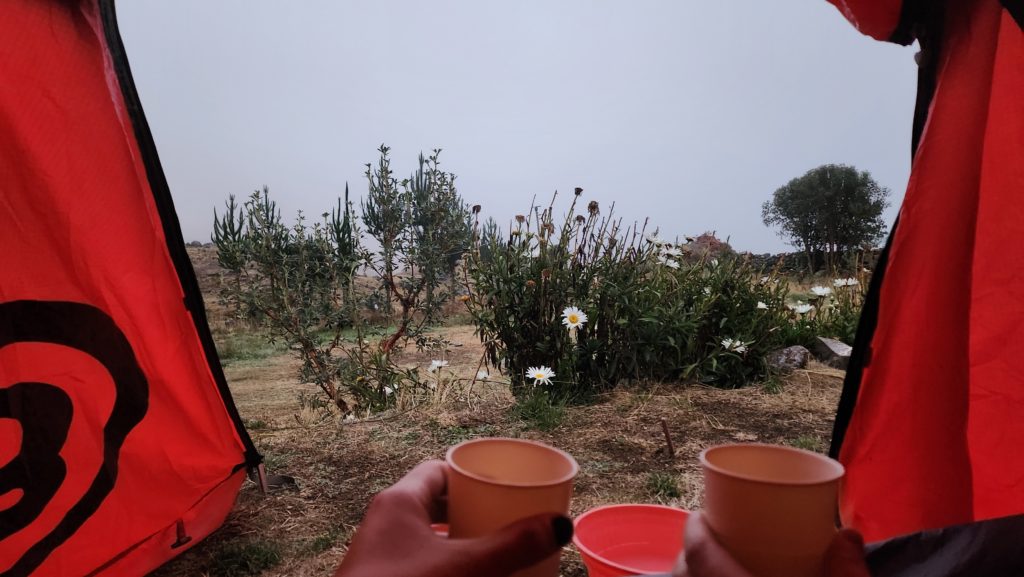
{"x": 789, "y": 359}
{"x": 832, "y": 352}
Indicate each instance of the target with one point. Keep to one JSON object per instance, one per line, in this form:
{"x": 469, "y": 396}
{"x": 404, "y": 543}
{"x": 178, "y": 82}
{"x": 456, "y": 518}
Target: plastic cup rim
{"x": 574, "y": 468}
{"x": 601, "y": 558}
{"x": 838, "y": 469}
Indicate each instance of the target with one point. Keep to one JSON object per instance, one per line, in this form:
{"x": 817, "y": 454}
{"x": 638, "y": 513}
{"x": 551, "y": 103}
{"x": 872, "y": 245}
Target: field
{"x": 618, "y": 441}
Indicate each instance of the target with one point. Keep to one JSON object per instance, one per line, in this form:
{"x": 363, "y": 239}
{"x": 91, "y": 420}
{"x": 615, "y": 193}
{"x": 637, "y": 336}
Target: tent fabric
{"x": 989, "y": 548}
{"x": 929, "y": 426}
{"x": 120, "y": 446}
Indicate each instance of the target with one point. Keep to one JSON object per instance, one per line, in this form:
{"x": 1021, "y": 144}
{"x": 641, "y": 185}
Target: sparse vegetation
{"x": 807, "y": 443}
{"x": 616, "y": 438}
{"x": 539, "y": 411}
{"x": 663, "y": 486}
{"x": 245, "y": 558}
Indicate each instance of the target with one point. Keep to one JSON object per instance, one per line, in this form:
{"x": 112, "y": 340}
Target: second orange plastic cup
{"x": 772, "y": 507}
{"x": 494, "y": 482}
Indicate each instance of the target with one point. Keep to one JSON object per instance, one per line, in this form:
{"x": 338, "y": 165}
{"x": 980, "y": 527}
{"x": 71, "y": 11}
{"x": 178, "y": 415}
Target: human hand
{"x": 395, "y": 538}
{"x": 703, "y": 556}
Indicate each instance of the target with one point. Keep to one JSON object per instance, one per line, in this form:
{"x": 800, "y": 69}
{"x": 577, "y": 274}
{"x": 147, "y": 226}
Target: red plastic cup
{"x": 620, "y": 540}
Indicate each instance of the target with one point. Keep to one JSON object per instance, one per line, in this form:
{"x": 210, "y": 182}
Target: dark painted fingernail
{"x": 857, "y": 539}
{"x": 562, "y": 526}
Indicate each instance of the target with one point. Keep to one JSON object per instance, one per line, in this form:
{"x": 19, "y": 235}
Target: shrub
{"x": 298, "y": 281}
{"x": 294, "y": 281}
{"x": 520, "y": 287}
{"x": 654, "y": 309}
{"x": 831, "y": 309}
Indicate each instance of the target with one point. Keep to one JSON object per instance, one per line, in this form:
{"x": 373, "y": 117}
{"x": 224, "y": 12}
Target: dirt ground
{"x": 338, "y": 466}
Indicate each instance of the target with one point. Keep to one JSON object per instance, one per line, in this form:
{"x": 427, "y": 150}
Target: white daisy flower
{"x": 435, "y": 365}
{"x": 820, "y": 291}
{"x": 540, "y": 375}
{"x": 734, "y": 345}
{"x": 665, "y": 261}
{"x": 801, "y": 308}
{"x": 762, "y": 305}
{"x": 670, "y": 251}
{"x": 389, "y": 391}
{"x": 482, "y": 375}
{"x": 653, "y": 239}
{"x": 707, "y": 290}
{"x": 573, "y": 318}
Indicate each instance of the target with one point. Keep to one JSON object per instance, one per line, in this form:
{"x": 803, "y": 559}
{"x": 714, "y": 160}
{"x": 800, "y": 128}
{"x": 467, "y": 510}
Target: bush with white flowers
{"x": 573, "y": 306}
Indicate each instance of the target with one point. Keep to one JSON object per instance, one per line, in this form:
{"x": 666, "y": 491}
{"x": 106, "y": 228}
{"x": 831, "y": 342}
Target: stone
{"x": 788, "y": 359}
{"x": 833, "y": 353}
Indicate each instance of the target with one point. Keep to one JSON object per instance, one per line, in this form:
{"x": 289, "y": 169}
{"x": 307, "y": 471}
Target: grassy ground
{"x": 617, "y": 440}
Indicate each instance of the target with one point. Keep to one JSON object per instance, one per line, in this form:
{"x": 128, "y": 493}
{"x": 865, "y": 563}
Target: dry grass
{"x": 617, "y": 440}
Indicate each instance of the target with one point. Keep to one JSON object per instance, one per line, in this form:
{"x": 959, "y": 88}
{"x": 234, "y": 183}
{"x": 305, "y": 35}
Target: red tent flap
{"x": 115, "y": 421}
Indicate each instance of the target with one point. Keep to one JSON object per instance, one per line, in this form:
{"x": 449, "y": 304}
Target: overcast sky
{"x": 690, "y": 113}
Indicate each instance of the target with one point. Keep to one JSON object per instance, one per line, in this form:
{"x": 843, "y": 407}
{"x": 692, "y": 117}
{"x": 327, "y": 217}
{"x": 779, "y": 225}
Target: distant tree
{"x": 828, "y": 212}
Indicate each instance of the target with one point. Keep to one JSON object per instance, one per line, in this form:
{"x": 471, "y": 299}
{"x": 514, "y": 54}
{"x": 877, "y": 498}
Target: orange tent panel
{"x": 117, "y": 431}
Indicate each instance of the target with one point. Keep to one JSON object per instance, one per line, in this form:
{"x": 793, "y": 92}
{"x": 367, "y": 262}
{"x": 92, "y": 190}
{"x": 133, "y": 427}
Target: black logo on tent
{"x": 44, "y": 413}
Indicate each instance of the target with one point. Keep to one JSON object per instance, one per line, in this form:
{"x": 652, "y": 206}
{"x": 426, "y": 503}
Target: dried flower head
{"x": 520, "y": 218}
{"x": 593, "y": 208}
{"x": 578, "y": 191}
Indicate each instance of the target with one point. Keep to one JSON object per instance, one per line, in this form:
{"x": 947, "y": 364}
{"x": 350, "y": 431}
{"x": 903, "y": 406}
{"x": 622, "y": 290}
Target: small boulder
{"x": 833, "y": 353}
{"x": 788, "y": 359}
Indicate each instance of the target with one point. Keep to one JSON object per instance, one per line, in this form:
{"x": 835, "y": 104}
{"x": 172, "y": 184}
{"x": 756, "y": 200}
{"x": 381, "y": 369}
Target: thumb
{"x": 519, "y": 545}
{"x": 845, "y": 557}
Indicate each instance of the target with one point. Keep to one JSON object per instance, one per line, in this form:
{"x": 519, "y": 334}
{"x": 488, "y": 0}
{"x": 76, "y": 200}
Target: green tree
{"x": 423, "y": 228}
{"x": 828, "y": 212}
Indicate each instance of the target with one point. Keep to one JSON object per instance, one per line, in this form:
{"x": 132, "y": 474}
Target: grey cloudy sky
{"x": 690, "y": 113}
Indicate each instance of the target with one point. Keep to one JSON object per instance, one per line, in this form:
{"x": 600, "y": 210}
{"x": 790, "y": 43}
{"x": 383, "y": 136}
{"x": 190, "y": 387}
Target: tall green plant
{"x": 296, "y": 281}
{"x": 423, "y": 228}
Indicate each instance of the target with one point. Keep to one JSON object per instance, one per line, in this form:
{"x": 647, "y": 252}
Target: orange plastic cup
{"x": 494, "y": 482}
{"x": 773, "y": 508}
